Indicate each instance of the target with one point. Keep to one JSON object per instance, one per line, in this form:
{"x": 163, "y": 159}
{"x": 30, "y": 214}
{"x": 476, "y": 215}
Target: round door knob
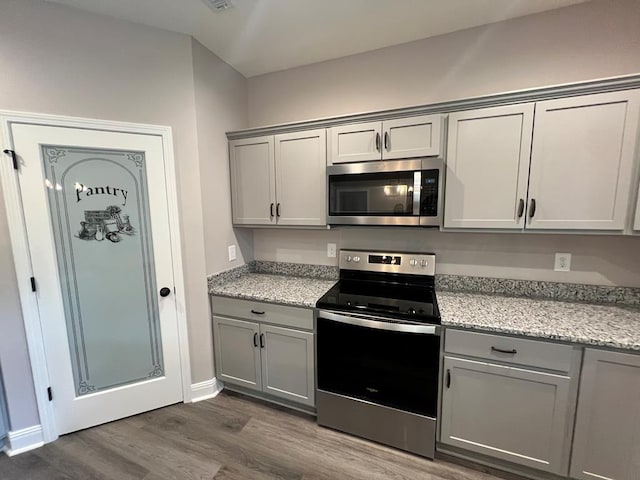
{"x": 165, "y": 291}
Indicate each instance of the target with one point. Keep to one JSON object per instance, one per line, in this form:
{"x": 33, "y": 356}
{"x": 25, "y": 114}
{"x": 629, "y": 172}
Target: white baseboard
{"x": 205, "y": 390}
{"x": 20, "y": 441}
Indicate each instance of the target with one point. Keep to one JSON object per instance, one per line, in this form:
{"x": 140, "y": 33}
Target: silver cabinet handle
{"x": 377, "y": 141}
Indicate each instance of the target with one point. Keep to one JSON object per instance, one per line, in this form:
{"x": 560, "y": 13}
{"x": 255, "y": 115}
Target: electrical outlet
{"x": 331, "y": 250}
{"x": 232, "y": 253}
{"x": 563, "y": 262}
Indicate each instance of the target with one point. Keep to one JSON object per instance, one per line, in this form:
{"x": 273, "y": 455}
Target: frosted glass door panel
{"x": 99, "y": 207}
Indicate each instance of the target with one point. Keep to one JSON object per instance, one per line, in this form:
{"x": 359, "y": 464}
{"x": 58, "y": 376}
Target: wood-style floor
{"x": 230, "y": 437}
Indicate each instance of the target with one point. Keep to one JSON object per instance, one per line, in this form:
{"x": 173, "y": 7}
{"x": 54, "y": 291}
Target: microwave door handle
{"x": 417, "y": 187}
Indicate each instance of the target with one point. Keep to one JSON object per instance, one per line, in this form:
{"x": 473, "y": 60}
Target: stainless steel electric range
{"x": 378, "y": 349}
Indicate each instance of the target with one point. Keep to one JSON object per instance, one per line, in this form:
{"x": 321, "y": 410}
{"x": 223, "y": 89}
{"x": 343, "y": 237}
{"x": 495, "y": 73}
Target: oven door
{"x": 386, "y": 363}
{"x": 375, "y": 193}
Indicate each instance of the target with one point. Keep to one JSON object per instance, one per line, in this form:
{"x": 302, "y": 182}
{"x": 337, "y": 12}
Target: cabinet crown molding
{"x": 625, "y": 82}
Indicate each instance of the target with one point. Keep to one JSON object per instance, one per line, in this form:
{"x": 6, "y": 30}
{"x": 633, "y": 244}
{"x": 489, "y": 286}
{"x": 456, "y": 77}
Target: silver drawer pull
{"x": 257, "y": 313}
{"x": 512, "y": 352}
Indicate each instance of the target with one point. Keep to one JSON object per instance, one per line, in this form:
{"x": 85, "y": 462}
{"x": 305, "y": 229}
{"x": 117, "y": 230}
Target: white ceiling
{"x": 261, "y": 36}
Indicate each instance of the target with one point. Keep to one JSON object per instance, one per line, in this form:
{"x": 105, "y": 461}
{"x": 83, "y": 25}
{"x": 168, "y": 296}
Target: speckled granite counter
{"x": 511, "y": 311}
{"x": 589, "y": 324}
{"x": 282, "y": 289}
{"x": 295, "y": 284}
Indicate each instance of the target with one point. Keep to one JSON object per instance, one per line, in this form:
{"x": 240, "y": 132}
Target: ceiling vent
{"x": 219, "y": 6}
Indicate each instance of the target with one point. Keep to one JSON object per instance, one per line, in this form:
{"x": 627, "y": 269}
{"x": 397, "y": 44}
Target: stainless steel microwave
{"x": 403, "y": 192}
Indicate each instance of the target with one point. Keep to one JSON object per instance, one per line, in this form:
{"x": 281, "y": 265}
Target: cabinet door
{"x": 237, "y": 352}
{"x": 581, "y": 161}
{"x": 607, "y": 437}
{"x": 508, "y": 413}
{"x": 355, "y": 143}
{"x": 301, "y": 178}
{"x": 288, "y": 364}
{"x": 412, "y": 137}
{"x": 252, "y": 181}
{"x": 488, "y": 167}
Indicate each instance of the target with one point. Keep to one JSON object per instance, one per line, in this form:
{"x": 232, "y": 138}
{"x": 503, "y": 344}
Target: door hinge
{"x": 50, "y": 393}
{"x": 12, "y": 153}
{"x": 33, "y": 284}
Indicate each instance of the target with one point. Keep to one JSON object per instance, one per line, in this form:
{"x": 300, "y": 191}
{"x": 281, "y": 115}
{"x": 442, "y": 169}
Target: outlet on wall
{"x": 563, "y": 262}
{"x": 331, "y": 250}
{"x": 232, "y": 253}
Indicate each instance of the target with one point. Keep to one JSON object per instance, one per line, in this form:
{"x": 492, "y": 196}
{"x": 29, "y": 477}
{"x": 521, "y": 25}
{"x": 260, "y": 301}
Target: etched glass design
{"x": 99, "y": 206}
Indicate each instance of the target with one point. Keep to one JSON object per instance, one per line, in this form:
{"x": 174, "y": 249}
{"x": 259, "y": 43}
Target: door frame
{"x": 22, "y": 256}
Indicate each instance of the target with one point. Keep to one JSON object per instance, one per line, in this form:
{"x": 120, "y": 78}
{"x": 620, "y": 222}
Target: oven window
{"x": 379, "y": 194}
{"x": 395, "y": 369}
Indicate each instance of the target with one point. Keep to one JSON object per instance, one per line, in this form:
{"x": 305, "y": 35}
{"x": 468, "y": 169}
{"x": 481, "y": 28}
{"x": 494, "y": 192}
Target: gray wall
{"x": 221, "y": 105}
{"x": 596, "y": 259}
{"x": 592, "y": 40}
{"x": 63, "y": 61}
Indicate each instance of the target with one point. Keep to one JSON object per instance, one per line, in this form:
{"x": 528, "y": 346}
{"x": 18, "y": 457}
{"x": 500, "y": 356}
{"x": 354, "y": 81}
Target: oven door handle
{"x": 380, "y": 323}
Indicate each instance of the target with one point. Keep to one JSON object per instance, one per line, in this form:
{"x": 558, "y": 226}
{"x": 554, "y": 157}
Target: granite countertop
{"x": 282, "y": 289}
{"x": 590, "y": 324}
{"x": 584, "y": 314}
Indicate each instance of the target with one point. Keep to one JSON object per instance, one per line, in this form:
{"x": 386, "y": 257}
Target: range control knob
{"x": 356, "y": 259}
{"x": 423, "y": 263}
{"x": 348, "y": 259}
{"x": 413, "y": 262}
{"x": 411, "y": 311}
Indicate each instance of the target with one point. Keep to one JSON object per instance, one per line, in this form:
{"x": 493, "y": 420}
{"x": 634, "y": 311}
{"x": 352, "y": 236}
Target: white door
{"x": 412, "y": 137}
{"x": 488, "y": 167}
{"x": 301, "y": 179}
{"x": 253, "y": 190}
{"x": 95, "y": 209}
{"x": 582, "y": 161}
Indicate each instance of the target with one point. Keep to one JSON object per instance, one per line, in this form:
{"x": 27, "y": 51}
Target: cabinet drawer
{"x": 531, "y": 353}
{"x": 295, "y": 317}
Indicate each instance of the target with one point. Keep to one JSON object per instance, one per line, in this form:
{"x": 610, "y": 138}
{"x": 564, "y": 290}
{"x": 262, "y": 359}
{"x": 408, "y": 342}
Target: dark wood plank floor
{"x": 230, "y": 437}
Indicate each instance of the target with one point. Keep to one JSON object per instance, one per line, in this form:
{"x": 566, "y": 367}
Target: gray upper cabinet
{"x": 355, "y": 143}
{"x": 410, "y": 137}
{"x": 253, "y": 189}
{"x": 279, "y": 180}
{"x": 572, "y": 171}
{"x": 582, "y": 160}
{"x": 301, "y": 191}
{"x": 237, "y": 355}
{"x": 488, "y": 167}
{"x": 607, "y": 434}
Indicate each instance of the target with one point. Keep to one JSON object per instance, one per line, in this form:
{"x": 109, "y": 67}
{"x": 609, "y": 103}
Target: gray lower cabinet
{"x": 271, "y": 359}
{"x": 515, "y": 412}
{"x": 607, "y": 435}
{"x": 237, "y": 352}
